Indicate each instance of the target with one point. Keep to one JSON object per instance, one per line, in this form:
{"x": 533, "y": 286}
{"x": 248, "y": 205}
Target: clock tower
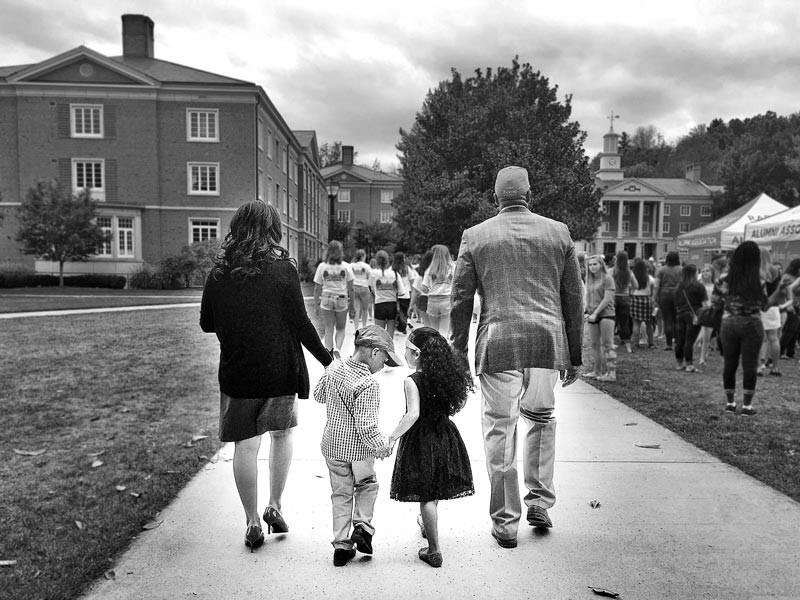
{"x": 610, "y": 167}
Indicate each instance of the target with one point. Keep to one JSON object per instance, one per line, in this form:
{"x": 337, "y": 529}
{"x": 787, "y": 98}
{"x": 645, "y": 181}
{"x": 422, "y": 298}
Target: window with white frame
{"x": 683, "y": 227}
{"x": 292, "y": 206}
{"x": 343, "y": 216}
{"x": 386, "y": 216}
{"x": 86, "y": 120}
{"x": 260, "y": 134}
{"x": 260, "y": 185}
{"x": 645, "y": 227}
{"x": 705, "y": 210}
{"x": 293, "y": 169}
{"x": 202, "y": 125}
{"x": 686, "y": 210}
{"x": 344, "y": 196}
{"x": 284, "y": 160}
{"x": 269, "y": 143}
{"x": 104, "y": 223}
{"x": 125, "y": 236}
{"x": 646, "y": 211}
{"x": 89, "y": 174}
{"x": 203, "y": 179}
{"x": 202, "y": 230}
{"x": 387, "y": 196}
{"x": 665, "y": 227}
{"x": 667, "y": 210}
{"x": 626, "y": 209}
{"x": 626, "y": 226}
{"x": 606, "y": 226}
{"x": 270, "y": 191}
{"x": 285, "y": 201}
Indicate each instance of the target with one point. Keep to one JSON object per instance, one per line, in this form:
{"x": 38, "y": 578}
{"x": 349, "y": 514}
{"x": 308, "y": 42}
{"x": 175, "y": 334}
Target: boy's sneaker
{"x": 362, "y": 539}
{"x": 341, "y": 556}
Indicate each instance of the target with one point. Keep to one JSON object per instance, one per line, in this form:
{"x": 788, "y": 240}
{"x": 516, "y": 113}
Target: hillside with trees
{"x": 747, "y": 156}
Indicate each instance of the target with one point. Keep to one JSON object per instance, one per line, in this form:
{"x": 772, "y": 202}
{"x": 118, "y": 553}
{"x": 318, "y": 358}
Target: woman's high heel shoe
{"x": 254, "y": 537}
{"x": 274, "y": 521}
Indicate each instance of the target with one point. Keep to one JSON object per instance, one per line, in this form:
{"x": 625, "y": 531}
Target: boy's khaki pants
{"x": 354, "y": 489}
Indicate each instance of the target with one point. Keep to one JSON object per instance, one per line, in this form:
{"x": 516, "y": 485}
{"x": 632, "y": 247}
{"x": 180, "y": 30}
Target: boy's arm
{"x": 319, "y": 389}
{"x": 366, "y": 402}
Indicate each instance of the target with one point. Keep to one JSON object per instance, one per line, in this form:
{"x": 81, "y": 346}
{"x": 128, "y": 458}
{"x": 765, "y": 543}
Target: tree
{"x": 59, "y": 227}
{"x": 466, "y": 131}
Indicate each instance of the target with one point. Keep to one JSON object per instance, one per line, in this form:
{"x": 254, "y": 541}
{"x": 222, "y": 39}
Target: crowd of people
{"x": 745, "y": 306}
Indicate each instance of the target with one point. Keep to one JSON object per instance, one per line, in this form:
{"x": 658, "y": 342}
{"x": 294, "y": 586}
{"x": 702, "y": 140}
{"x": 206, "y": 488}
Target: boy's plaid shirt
{"x": 353, "y": 434}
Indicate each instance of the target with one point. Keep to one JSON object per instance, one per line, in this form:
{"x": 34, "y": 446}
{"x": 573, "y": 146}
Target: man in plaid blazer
{"x": 525, "y": 269}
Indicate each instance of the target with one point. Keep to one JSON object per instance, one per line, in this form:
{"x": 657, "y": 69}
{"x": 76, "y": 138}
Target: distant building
{"x": 169, "y": 151}
{"x": 364, "y": 196}
{"x": 644, "y": 215}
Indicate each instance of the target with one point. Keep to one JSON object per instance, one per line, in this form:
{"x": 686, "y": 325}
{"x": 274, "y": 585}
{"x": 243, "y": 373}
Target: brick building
{"x": 364, "y": 196}
{"x": 169, "y": 152}
{"x": 643, "y": 215}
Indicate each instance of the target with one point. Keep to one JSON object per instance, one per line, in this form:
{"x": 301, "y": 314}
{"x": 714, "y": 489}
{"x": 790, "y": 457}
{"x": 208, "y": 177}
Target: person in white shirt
{"x": 407, "y": 275}
{"x": 334, "y": 279}
{"x": 362, "y": 297}
{"x": 387, "y": 285}
{"x": 438, "y": 283}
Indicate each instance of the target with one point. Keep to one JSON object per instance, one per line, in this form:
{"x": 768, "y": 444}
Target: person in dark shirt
{"x": 689, "y": 299}
{"x": 253, "y": 302}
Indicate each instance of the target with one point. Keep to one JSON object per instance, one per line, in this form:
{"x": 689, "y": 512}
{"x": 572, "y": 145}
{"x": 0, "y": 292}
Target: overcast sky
{"x": 358, "y": 71}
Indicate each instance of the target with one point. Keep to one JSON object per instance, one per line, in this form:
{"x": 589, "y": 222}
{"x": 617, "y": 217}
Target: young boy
{"x": 351, "y": 439}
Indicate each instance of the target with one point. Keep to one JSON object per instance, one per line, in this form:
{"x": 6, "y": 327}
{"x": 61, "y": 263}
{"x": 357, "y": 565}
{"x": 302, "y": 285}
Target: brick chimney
{"x": 347, "y": 155}
{"x": 137, "y": 36}
{"x": 693, "y": 173}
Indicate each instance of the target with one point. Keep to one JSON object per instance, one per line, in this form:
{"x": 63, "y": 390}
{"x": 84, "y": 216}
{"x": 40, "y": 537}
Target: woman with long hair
{"x": 253, "y": 302}
{"x": 689, "y": 299}
{"x": 623, "y": 285}
{"x": 741, "y": 295}
{"x": 770, "y": 318}
{"x": 387, "y": 286}
{"x": 600, "y": 308}
{"x": 667, "y": 279}
{"x": 362, "y": 297}
{"x": 332, "y": 293}
{"x": 419, "y": 299}
{"x": 708, "y": 277}
{"x": 438, "y": 283}
{"x": 642, "y": 302}
{"x": 407, "y": 276}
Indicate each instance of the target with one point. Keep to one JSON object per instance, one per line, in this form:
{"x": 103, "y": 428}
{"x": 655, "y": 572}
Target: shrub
{"x": 96, "y": 280}
{"x": 145, "y": 278}
{"x": 17, "y": 279}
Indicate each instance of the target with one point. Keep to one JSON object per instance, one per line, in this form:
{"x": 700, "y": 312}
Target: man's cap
{"x": 511, "y": 182}
{"x": 373, "y": 336}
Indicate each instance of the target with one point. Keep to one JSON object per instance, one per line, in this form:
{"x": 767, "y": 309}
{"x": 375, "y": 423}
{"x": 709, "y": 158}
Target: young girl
{"x": 642, "y": 303}
{"x": 708, "y": 278}
{"x": 437, "y": 283}
{"x": 432, "y": 462}
{"x": 600, "y": 308}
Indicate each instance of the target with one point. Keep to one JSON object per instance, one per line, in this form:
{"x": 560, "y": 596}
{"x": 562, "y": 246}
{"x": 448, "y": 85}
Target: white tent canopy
{"x": 782, "y": 227}
{"x": 728, "y": 232}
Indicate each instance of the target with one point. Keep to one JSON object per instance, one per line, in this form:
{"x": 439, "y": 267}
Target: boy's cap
{"x": 373, "y": 336}
{"x": 512, "y": 182}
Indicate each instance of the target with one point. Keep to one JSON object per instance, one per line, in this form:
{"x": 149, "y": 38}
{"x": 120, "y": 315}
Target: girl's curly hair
{"x": 447, "y": 381}
{"x": 253, "y": 240}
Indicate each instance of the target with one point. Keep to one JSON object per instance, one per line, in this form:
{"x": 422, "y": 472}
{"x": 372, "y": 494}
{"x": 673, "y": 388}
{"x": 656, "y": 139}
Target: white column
{"x": 641, "y": 219}
{"x": 619, "y": 218}
{"x": 660, "y": 225}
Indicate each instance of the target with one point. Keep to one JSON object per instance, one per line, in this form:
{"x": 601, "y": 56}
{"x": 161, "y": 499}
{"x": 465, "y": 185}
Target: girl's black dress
{"x": 432, "y": 461}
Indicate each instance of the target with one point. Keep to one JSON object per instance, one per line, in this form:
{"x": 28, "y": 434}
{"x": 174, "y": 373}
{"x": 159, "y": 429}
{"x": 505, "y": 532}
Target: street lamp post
{"x": 333, "y": 191}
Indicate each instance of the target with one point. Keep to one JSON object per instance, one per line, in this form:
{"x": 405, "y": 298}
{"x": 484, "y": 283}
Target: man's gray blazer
{"x": 525, "y": 269}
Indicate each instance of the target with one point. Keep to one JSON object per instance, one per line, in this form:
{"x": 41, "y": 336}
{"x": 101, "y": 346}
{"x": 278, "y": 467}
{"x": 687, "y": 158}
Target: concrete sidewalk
{"x": 673, "y": 522}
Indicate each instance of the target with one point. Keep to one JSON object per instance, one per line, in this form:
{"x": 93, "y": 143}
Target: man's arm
{"x": 462, "y": 298}
{"x": 572, "y": 305}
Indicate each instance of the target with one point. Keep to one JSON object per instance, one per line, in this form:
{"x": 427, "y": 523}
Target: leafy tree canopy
{"x": 469, "y": 129}
{"x": 58, "y": 226}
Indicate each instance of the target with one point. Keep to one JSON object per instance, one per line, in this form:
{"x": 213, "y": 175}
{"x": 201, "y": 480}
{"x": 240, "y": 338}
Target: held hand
{"x": 568, "y": 376}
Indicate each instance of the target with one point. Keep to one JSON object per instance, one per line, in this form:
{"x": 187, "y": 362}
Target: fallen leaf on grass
{"x": 631, "y": 423}
{"x": 96, "y": 454}
{"x": 29, "y": 452}
{"x": 124, "y": 409}
{"x": 651, "y": 446}
{"x": 120, "y": 488}
{"x": 80, "y": 525}
{"x": 594, "y": 504}
{"x": 135, "y": 494}
{"x": 7, "y": 563}
{"x": 97, "y": 463}
{"x": 110, "y": 574}
{"x": 197, "y": 438}
{"x": 602, "y": 592}
{"x": 152, "y": 525}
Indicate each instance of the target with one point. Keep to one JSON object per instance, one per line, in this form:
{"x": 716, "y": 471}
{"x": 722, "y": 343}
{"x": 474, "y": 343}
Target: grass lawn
{"x": 136, "y": 391}
{"x": 766, "y": 446}
{"x": 56, "y": 298}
